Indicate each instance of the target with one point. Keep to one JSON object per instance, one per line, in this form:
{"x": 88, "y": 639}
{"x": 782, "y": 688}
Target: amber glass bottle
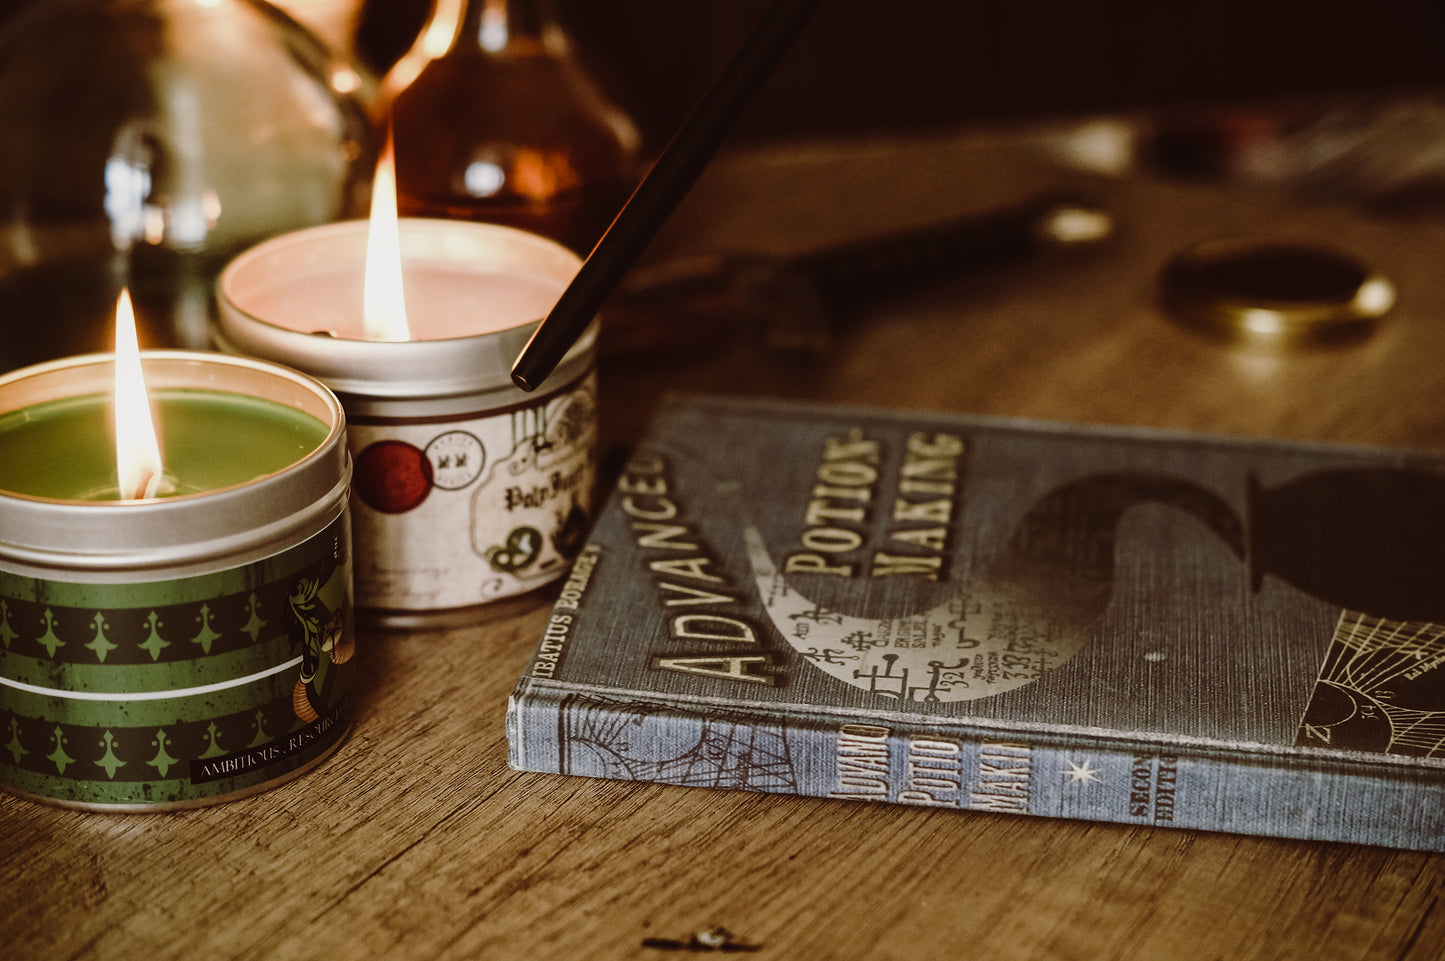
{"x": 495, "y": 120}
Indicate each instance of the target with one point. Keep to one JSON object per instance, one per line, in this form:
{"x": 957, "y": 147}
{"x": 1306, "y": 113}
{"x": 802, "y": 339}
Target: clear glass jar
{"x": 146, "y": 142}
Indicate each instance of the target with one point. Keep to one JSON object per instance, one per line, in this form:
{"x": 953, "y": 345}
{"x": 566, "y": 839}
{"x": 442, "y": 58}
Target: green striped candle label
{"x": 180, "y": 691}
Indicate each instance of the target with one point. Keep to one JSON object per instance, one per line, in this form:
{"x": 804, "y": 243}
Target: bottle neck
{"x": 494, "y": 27}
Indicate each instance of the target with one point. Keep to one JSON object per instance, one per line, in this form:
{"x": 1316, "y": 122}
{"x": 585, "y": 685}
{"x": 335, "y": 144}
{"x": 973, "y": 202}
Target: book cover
{"x": 989, "y": 614}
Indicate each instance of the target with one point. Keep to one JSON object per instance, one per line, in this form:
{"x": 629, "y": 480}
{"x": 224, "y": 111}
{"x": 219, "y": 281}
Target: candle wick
{"x": 143, "y": 483}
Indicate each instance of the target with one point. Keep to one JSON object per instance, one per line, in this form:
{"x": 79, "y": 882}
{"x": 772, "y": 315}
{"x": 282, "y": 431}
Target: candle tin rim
{"x": 446, "y": 366}
{"x": 335, "y": 414}
{"x": 159, "y": 533}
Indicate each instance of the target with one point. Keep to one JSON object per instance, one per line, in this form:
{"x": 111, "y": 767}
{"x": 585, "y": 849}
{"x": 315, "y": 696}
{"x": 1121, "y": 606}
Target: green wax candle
{"x": 64, "y": 449}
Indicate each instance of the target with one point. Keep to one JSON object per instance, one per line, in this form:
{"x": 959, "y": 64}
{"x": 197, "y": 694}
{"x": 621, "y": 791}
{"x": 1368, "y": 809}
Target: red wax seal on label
{"x": 393, "y": 476}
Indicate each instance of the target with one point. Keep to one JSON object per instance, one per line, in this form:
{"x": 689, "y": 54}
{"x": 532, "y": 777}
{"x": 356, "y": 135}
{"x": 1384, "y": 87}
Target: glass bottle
{"x": 494, "y": 119}
{"x": 334, "y": 22}
{"x": 337, "y": 24}
{"x": 146, "y": 142}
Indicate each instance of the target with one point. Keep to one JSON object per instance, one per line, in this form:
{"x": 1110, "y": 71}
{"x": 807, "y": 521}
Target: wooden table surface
{"x": 415, "y": 840}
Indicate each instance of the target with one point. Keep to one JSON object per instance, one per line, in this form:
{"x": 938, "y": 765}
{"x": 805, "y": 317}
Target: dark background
{"x": 907, "y": 64}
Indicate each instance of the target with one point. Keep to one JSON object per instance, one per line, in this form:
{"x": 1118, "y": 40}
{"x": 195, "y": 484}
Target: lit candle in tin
{"x": 467, "y": 490}
{"x": 101, "y": 444}
{"x": 188, "y": 647}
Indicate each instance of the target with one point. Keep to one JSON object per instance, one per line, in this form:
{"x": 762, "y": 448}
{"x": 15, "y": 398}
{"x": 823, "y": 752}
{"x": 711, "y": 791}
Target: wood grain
{"x": 415, "y": 840}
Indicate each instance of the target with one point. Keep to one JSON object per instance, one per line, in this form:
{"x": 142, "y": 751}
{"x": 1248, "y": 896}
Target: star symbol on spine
{"x": 1082, "y": 773}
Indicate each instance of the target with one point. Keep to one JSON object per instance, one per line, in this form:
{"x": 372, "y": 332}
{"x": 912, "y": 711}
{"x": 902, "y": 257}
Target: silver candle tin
{"x": 468, "y": 490}
{"x": 184, "y": 650}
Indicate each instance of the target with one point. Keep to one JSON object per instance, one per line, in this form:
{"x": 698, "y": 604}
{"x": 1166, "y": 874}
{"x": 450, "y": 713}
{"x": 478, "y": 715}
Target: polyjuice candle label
{"x": 452, "y": 512}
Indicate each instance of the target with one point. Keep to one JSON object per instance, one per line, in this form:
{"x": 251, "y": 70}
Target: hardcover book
{"x": 988, "y": 614}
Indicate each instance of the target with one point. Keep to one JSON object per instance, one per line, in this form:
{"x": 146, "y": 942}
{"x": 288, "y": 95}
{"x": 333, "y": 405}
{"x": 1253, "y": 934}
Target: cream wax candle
{"x": 467, "y": 489}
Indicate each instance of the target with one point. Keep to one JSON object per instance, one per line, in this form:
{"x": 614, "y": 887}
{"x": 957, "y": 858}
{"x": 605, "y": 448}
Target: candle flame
{"x": 383, "y": 299}
{"x": 137, "y": 455}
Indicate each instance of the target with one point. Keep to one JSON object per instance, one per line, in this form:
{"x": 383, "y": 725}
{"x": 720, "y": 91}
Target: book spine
{"x": 1045, "y": 775}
